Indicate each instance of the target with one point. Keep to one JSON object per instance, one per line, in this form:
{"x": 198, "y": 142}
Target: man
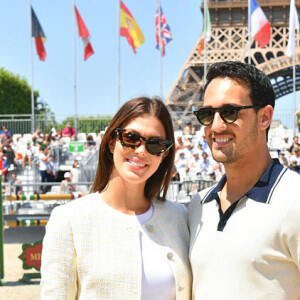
{"x": 14, "y": 184}
{"x": 294, "y": 161}
{"x": 245, "y": 230}
{"x": 295, "y": 145}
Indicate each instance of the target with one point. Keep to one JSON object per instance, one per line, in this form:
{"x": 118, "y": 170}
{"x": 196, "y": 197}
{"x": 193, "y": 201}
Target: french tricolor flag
{"x": 260, "y": 27}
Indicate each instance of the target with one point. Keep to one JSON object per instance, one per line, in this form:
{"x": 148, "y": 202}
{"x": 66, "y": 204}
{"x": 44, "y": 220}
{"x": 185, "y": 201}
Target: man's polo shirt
{"x": 252, "y": 251}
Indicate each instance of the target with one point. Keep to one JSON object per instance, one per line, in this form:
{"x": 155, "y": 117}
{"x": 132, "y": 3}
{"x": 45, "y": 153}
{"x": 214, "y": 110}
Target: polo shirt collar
{"x": 261, "y": 191}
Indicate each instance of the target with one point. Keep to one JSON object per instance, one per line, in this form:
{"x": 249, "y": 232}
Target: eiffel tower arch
{"x": 229, "y": 41}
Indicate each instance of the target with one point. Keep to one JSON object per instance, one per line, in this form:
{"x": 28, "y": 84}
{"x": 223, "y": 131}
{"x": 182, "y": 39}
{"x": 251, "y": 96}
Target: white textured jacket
{"x": 89, "y": 252}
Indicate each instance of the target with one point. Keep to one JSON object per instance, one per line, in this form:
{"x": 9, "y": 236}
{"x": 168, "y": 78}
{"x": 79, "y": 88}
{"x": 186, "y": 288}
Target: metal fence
{"x": 21, "y": 124}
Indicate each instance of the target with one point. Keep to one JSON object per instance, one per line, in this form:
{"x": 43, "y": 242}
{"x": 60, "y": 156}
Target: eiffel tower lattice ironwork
{"x": 229, "y": 41}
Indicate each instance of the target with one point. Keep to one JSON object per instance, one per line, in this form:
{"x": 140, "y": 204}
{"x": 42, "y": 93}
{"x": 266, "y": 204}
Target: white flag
{"x": 293, "y": 25}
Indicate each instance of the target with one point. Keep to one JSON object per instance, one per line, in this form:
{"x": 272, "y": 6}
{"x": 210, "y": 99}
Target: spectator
{"x": 294, "y": 145}
{"x": 90, "y": 143}
{"x": 294, "y": 161}
{"x": 2, "y": 162}
{"x": 4, "y": 128}
{"x": 37, "y": 137}
{"x": 297, "y": 114}
{"x": 69, "y": 131}
{"x": 175, "y": 174}
{"x": 27, "y": 156}
{"x": 52, "y": 169}
{"x": 283, "y": 160}
{"x": 285, "y": 146}
{"x": 195, "y": 162}
{"x": 179, "y": 143}
{"x": 47, "y": 140}
{"x": 6, "y": 138}
{"x": 181, "y": 162}
{"x": 14, "y": 185}
{"x": 10, "y": 157}
{"x": 189, "y": 146}
{"x": 43, "y": 162}
{"x": 204, "y": 143}
{"x": 189, "y": 129}
{"x": 65, "y": 186}
{"x": 205, "y": 164}
{"x": 74, "y": 174}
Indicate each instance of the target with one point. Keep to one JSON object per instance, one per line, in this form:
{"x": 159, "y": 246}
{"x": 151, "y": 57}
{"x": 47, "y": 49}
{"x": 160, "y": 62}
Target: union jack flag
{"x": 165, "y": 31}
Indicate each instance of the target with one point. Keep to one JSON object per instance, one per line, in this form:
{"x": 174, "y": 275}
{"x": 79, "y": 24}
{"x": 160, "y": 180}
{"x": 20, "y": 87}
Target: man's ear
{"x": 265, "y": 117}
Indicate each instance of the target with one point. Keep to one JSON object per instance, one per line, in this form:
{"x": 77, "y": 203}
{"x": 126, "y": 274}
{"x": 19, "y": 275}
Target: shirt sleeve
{"x": 58, "y": 267}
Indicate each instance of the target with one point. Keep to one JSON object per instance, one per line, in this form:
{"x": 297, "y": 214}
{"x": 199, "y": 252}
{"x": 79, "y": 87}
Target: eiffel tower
{"x": 229, "y": 41}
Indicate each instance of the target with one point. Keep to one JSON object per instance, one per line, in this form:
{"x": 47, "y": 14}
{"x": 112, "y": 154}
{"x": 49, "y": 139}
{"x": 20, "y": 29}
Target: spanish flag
{"x": 39, "y": 36}
{"x": 129, "y": 28}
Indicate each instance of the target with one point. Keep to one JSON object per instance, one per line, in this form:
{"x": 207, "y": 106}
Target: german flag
{"x": 39, "y": 35}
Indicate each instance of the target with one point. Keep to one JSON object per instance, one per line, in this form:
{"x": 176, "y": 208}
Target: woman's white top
{"x": 157, "y": 278}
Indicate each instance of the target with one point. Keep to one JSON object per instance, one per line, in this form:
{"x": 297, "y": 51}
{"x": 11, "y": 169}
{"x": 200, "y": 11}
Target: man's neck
{"x": 241, "y": 177}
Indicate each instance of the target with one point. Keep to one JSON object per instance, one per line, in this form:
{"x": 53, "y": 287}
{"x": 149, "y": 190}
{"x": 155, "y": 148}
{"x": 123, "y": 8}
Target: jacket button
{"x": 170, "y": 255}
{"x": 180, "y": 288}
{"x": 150, "y": 228}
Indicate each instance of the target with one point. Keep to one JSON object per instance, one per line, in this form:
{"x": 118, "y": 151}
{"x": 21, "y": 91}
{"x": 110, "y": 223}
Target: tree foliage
{"x": 15, "y": 94}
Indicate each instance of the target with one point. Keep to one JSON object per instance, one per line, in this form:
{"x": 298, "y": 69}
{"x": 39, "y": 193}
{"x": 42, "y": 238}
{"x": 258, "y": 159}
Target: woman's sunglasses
{"x": 132, "y": 140}
{"x": 228, "y": 113}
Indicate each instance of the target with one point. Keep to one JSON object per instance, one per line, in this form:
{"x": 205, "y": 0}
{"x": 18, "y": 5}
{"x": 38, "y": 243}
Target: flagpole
{"x": 118, "y": 56}
{"x": 205, "y": 50}
{"x": 160, "y": 48}
{"x": 31, "y": 70}
{"x": 249, "y": 32}
{"x": 74, "y": 68}
{"x": 294, "y": 87}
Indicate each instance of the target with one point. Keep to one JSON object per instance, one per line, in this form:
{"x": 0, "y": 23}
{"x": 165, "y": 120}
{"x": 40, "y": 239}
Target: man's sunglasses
{"x": 228, "y": 113}
{"x": 155, "y": 146}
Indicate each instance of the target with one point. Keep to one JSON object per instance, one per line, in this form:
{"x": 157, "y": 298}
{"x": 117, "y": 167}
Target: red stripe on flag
{"x": 40, "y": 49}
{"x": 125, "y": 32}
{"x": 263, "y": 35}
{"x": 82, "y": 29}
{"x": 88, "y": 51}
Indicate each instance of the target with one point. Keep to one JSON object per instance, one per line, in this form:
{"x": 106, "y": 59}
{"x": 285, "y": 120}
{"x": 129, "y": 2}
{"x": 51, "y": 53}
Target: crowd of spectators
{"x": 20, "y": 152}
{"x": 193, "y": 159}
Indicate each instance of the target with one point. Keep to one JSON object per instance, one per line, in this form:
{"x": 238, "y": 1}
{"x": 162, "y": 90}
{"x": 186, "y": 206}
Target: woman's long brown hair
{"x": 157, "y": 184}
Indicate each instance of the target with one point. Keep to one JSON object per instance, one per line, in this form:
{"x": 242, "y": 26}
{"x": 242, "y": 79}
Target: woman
{"x": 123, "y": 241}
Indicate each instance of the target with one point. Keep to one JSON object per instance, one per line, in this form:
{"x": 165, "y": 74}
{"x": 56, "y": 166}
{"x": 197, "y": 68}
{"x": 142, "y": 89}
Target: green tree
{"x": 15, "y": 94}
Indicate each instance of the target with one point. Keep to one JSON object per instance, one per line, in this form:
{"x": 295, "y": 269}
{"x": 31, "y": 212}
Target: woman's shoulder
{"x": 81, "y": 205}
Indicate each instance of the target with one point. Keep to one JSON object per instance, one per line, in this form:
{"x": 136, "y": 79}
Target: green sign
{"x": 76, "y": 146}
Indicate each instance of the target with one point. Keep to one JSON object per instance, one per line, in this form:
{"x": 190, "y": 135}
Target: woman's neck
{"x": 124, "y": 197}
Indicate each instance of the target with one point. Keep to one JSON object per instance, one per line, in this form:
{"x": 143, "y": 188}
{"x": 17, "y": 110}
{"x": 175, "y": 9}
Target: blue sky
{"x": 97, "y": 77}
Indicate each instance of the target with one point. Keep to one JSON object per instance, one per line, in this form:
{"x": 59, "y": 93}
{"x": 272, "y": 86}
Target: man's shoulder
{"x": 200, "y": 196}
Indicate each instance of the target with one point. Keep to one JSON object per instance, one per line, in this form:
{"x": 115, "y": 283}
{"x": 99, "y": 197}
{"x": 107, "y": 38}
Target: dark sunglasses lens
{"x": 229, "y": 114}
{"x": 131, "y": 139}
{"x": 156, "y": 147}
{"x": 205, "y": 115}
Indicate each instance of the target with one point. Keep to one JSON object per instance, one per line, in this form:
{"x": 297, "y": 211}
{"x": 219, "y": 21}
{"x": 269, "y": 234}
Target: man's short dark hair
{"x": 261, "y": 91}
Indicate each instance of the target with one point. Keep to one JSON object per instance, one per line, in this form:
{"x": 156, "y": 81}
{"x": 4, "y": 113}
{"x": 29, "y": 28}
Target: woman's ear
{"x": 165, "y": 155}
{"x": 265, "y": 119}
{"x": 111, "y": 145}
